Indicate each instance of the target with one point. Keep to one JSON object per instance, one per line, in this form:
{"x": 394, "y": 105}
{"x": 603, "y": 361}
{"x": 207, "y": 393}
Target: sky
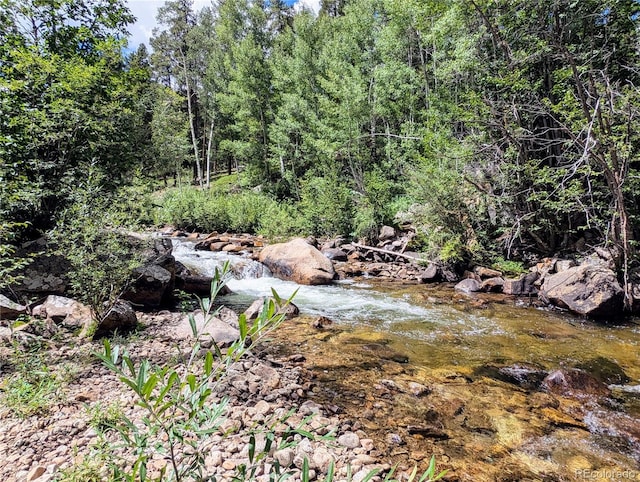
{"x": 145, "y": 12}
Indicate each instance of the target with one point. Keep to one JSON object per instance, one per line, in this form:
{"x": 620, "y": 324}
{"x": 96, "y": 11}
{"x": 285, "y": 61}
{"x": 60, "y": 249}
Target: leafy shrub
{"x": 101, "y": 257}
{"x": 509, "y": 267}
{"x": 179, "y": 415}
{"x": 199, "y": 210}
{"x": 326, "y": 206}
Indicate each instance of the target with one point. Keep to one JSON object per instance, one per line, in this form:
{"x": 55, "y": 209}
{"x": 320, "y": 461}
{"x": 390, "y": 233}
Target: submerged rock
{"x": 574, "y": 383}
{"x": 605, "y": 370}
{"x": 524, "y": 375}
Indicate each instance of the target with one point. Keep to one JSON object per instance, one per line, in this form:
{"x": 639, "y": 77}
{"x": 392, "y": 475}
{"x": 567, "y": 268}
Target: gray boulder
{"x": 120, "y": 317}
{"x": 469, "y": 285}
{"x": 67, "y": 312}
{"x": 589, "y": 290}
{"x": 209, "y": 330}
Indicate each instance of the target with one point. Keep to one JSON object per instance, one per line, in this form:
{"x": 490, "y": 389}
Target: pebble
{"x": 284, "y": 457}
{"x": 349, "y": 440}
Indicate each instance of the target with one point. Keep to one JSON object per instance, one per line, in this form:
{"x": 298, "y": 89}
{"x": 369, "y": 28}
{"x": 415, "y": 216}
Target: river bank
{"x": 495, "y": 388}
{"x": 67, "y": 437}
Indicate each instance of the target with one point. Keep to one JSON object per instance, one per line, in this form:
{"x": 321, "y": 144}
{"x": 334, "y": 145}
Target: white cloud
{"x": 145, "y": 11}
{"x": 313, "y": 5}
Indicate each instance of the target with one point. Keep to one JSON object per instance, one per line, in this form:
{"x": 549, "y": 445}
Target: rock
{"x": 150, "y": 285}
{"x": 386, "y": 353}
{"x": 320, "y": 322}
{"x": 564, "y": 264}
{"x": 493, "y": 285}
{"x": 430, "y": 274}
{"x": 469, "y": 285}
{"x": 349, "y": 440}
{"x": 428, "y": 431}
{"x": 298, "y": 261}
{"x": 586, "y": 289}
{"x": 394, "y": 439}
{"x": 386, "y": 232}
{"x": 46, "y": 274}
{"x": 513, "y": 287}
{"x": 36, "y": 472}
{"x": 289, "y": 309}
{"x": 524, "y": 375}
{"x": 335, "y": 254}
{"x": 10, "y": 310}
{"x": 574, "y": 383}
{"x": 120, "y": 317}
{"x": 195, "y": 284}
{"x": 229, "y": 316}
{"x": 605, "y": 370}
{"x": 69, "y": 313}
{"x": 212, "y": 329}
{"x": 418, "y": 389}
{"x": 486, "y": 273}
{"x": 284, "y": 457}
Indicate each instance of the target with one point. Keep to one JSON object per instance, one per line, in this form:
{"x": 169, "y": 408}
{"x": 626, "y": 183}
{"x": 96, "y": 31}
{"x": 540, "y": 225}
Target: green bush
{"x": 209, "y": 210}
{"x": 102, "y": 257}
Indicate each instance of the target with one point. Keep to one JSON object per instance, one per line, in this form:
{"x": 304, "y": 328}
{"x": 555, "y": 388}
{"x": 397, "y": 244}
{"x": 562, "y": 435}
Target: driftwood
{"x": 393, "y": 253}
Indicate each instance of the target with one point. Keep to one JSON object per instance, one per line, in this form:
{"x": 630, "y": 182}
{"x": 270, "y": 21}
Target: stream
{"x": 479, "y": 423}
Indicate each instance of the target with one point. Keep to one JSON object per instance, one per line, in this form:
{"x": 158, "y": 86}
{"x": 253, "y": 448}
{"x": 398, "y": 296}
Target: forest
{"x": 501, "y": 130}
{"x": 497, "y": 141}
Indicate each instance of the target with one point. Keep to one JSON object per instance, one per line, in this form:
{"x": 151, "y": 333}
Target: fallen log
{"x": 393, "y": 253}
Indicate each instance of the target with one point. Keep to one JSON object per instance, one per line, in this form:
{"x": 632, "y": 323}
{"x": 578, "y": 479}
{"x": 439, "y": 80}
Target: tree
{"x": 67, "y": 101}
{"x": 174, "y": 65}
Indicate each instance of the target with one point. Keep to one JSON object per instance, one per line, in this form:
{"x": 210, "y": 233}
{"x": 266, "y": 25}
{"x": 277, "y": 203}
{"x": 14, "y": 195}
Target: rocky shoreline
{"x": 381, "y": 409}
{"x": 588, "y": 288}
{"x": 261, "y": 391}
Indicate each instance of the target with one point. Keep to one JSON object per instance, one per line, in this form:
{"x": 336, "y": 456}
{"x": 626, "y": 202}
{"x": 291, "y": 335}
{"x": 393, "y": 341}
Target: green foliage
{"x": 33, "y": 388}
{"x": 101, "y": 257}
{"x": 180, "y": 417}
{"x": 509, "y": 267}
{"x": 326, "y": 206}
{"x": 452, "y": 251}
{"x": 210, "y": 210}
{"x": 104, "y": 418}
{"x": 10, "y": 264}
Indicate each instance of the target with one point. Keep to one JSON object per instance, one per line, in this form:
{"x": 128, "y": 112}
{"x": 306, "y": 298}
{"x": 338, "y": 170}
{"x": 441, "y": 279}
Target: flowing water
{"x": 482, "y": 427}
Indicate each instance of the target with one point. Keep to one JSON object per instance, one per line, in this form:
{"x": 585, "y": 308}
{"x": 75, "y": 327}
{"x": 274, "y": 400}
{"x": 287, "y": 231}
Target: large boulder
{"x": 67, "y": 312}
{"x": 588, "y": 290}
{"x": 469, "y": 285}
{"x": 154, "y": 280}
{"x": 196, "y": 284}
{"x": 298, "y": 261}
